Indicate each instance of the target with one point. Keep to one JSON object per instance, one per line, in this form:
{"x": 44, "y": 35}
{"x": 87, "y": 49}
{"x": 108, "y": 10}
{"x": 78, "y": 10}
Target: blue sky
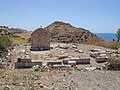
{"x": 94, "y": 15}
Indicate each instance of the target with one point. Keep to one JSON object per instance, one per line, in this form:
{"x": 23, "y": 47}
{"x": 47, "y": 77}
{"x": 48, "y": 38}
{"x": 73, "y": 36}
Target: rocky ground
{"x": 69, "y": 79}
{"x": 60, "y": 80}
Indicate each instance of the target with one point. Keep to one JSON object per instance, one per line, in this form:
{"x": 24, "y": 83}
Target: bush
{"x": 17, "y": 38}
{"x": 118, "y": 35}
{"x": 5, "y": 42}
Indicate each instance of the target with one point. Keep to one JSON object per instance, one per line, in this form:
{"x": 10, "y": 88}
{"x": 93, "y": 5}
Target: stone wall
{"x": 26, "y": 63}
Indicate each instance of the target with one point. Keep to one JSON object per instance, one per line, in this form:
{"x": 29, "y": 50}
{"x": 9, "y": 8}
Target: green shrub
{"x": 118, "y": 35}
{"x": 5, "y": 42}
{"x": 17, "y": 38}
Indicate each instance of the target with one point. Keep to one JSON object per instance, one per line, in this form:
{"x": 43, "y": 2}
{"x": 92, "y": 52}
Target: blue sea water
{"x": 108, "y": 36}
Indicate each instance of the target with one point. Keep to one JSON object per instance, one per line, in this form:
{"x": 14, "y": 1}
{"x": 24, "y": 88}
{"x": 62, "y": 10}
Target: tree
{"x": 118, "y": 35}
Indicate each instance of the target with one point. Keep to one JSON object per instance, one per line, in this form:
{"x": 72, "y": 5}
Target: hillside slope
{"x": 66, "y": 33}
{"x": 15, "y": 32}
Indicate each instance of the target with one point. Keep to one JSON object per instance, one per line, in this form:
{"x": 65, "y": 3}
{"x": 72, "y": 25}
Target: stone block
{"x": 101, "y": 59}
{"x": 61, "y": 66}
{"x": 37, "y": 62}
{"x": 51, "y": 63}
{"x": 23, "y": 60}
{"x": 27, "y": 64}
{"x": 62, "y": 56}
{"x": 112, "y": 66}
{"x": 72, "y": 63}
{"x": 78, "y": 60}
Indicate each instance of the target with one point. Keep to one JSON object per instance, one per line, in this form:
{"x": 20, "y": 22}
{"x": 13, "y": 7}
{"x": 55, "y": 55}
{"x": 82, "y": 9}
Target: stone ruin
{"x": 40, "y": 40}
{"x": 27, "y": 63}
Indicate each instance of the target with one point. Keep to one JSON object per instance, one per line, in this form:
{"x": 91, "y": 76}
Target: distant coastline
{"x": 108, "y": 36}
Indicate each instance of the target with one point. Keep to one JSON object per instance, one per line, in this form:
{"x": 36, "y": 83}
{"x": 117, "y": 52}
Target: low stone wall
{"x": 101, "y": 59}
{"x": 62, "y": 56}
{"x": 26, "y": 63}
{"x": 61, "y": 66}
{"x": 51, "y": 63}
{"x": 78, "y": 60}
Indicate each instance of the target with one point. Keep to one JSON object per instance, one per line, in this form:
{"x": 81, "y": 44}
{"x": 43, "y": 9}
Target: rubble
{"x": 97, "y": 50}
{"x": 63, "y": 46}
{"x": 97, "y": 53}
{"x": 61, "y": 76}
{"x": 78, "y": 50}
{"x": 81, "y": 60}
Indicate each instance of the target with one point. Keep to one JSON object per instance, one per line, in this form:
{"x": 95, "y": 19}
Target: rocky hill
{"x": 9, "y": 31}
{"x": 62, "y": 32}
{"x": 15, "y": 31}
{"x": 66, "y": 33}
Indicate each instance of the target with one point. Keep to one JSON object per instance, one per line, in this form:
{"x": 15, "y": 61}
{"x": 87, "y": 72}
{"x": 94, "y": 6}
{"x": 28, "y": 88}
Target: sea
{"x": 108, "y": 36}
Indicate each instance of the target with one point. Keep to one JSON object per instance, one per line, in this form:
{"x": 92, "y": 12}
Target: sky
{"x": 97, "y": 16}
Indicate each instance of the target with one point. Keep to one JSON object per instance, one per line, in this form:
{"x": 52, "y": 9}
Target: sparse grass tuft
{"x": 18, "y": 39}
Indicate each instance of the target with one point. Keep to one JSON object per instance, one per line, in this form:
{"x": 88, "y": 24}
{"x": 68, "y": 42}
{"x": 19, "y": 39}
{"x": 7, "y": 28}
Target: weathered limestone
{"x": 101, "y": 59}
{"x": 72, "y": 63}
{"x": 40, "y": 40}
{"x": 78, "y": 60}
{"x": 23, "y": 60}
{"x": 74, "y": 46}
{"x": 85, "y": 60}
{"x": 61, "y": 66}
{"x": 90, "y": 68}
{"x": 94, "y": 54}
{"x": 51, "y": 63}
{"x": 98, "y": 53}
{"x": 63, "y": 46}
{"x": 78, "y": 50}
{"x": 96, "y": 50}
{"x": 62, "y": 56}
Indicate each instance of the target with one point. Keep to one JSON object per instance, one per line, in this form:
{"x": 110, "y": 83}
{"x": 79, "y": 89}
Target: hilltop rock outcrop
{"x": 66, "y": 33}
